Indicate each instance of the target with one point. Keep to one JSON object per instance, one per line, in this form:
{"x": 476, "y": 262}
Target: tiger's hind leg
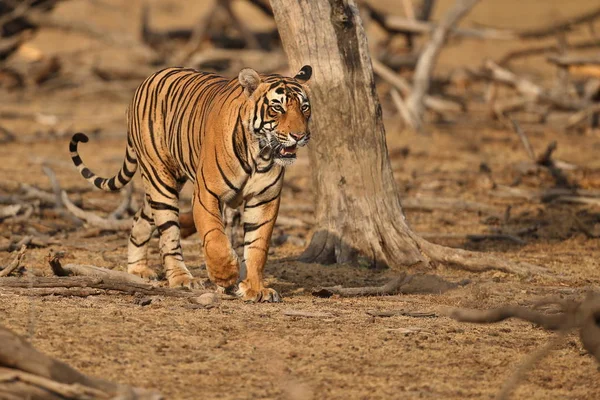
{"x": 164, "y": 202}
{"x": 137, "y": 250}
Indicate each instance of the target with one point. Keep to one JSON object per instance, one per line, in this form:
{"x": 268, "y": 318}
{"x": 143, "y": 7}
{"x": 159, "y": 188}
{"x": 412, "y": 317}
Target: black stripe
{"x": 111, "y": 184}
{"x": 98, "y": 182}
{"x": 252, "y": 241}
{"x": 129, "y": 158}
{"x": 76, "y": 160}
{"x": 87, "y": 174}
{"x": 157, "y": 205}
{"x": 252, "y": 227}
{"x": 147, "y": 217}
{"x": 139, "y": 244}
{"x": 210, "y": 231}
{"x": 122, "y": 179}
{"x": 206, "y": 186}
{"x": 127, "y": 172}
{"x": 207, "y": 210}
{"x": 176, "y": 254}
{"x": 240, "y": 148}
{"x": 167, "y": 225}
{"x": 271, "y": 184}
{"x": 227, "y": 181}
{"x": 262, "y": 202}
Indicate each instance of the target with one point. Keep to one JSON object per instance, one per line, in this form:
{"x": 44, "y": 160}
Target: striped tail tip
{"x": 80, "y": 137}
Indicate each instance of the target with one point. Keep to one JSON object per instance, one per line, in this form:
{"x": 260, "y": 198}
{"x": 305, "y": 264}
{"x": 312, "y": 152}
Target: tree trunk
{"x": 358, "y": 214}
{"x": 359, "y": 218}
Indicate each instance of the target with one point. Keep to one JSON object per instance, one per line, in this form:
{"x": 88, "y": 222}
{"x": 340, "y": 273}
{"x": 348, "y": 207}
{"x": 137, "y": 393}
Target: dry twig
{"x": 95, "y": 220}
{"x": 15, "y": 263}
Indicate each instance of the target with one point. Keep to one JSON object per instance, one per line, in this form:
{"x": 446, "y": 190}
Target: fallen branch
{"x": 400, "y": 24}
{"x": 28, "y": 192}
{"x": 582, "y": 316}
{"x": 540, "y": 50}
{"x": 568, "y": 60}
{"x": 428, "y": 59}
{"x": 436, "y": 104}
{"x": 27, "y": 373}
{"x": 561, "y": 26}
{"x": 15, "y": 263}
{"x": 125, "y": 204}
{"x": 95, "y": 220}
{"x": 91, "y": 271}
{"x": 404, "y": 313}
{"x": 530, "y": 89}
{"x": 524, "y": 140}
{"x": 307, "y": 314}
{"x": 389, "y": 289}
{"x": 108, "y": 284}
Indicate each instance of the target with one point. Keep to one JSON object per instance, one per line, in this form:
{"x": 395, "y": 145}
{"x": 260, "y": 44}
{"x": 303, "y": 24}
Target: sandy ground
{"x": 240, "y": 351}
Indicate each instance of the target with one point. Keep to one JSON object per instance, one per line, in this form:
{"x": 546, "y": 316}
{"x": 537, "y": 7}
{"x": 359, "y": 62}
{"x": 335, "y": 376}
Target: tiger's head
{"x": 279, "y": 112}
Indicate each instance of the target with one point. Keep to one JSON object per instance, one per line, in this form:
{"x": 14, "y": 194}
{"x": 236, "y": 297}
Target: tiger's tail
{"x": 117, "y": 182}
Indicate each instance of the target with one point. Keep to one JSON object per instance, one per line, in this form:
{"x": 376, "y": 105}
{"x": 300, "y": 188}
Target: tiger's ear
{"x": 304, "y": 74}
{"x": 249, "y": 80}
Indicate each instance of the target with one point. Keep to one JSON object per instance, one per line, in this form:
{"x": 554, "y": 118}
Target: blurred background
{"x": 73, "y": 64}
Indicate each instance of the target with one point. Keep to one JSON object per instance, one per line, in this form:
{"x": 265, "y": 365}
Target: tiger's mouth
{"x": 288, "y": 152}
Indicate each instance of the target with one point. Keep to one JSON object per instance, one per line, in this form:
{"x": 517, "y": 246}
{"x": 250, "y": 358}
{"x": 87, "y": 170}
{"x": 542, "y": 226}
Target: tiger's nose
{"x": 297, "y": 136}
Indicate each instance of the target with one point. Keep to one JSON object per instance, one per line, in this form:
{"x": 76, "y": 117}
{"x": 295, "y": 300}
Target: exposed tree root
{"x": 583, "y": 316}
{"x": 474, "y": 261}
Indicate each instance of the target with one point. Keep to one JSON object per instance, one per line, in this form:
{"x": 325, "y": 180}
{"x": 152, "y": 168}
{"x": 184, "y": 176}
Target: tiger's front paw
{"x": 262, "y": 295}
{"x": 143, "y": 271}
{"x": 185, "y": 281}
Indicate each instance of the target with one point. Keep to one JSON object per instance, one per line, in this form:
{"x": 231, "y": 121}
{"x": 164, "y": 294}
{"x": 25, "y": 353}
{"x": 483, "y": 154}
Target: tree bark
{"x": 358, "y": 214}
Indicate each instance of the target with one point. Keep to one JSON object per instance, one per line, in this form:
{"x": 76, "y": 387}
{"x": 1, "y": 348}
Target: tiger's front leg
{"x": 259, "y": 220}
{"x": 222, "y": 263}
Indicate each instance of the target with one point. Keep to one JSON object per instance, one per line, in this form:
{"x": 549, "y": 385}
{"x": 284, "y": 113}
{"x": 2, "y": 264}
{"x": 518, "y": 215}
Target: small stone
{"x": 143, "y": 301}
{"x": 208, "y": 300}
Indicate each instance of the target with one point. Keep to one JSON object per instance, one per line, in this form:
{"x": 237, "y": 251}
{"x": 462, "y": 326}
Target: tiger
{"x": 232, "y": 139}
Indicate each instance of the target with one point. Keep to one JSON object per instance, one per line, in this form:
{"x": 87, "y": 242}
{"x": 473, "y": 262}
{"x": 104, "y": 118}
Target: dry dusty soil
{"x": 241, "y": 351}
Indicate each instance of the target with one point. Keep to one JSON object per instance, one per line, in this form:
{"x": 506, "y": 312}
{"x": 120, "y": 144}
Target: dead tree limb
{"x": 402, "y": 24}
{"x": 434, "y": 103}
{"x": 92, "y": 271}
{"x": 15, "y": 263}
{"x": 561, "y": 26}
{"x": 389, "y": 289}
{"x": 583, "y": 316}
{"x": 27, "y": 373}
{"x": 428, "y": 58}
{"x": 524, "y": 140}
{"x": 540, "y": 50}
{"x": 568, "y": 60}
{"x": 530, "y": 89}
{"x": 307, "y": 314}
{"x": 95, "y": 220}
{"x": 108, "y": 284}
